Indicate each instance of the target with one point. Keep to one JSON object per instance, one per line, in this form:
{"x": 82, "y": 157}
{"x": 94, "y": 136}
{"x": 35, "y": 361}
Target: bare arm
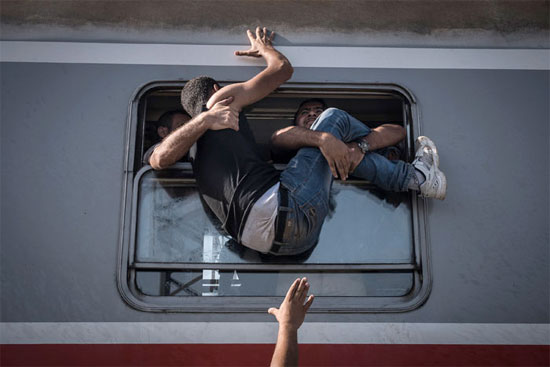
{"x": 295, "y": 137}
{"x": 178, "y": 143}
{"x": 341, "y": 158}
{"x": 290, "y": 316}
{"x": 333, "y": 149}
{"x": 277, "y": 71}
{"x": 385, "y": 136}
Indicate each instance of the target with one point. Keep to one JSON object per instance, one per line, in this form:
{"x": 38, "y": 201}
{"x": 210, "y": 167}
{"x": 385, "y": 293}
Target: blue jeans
{"x": 308, "y": 180}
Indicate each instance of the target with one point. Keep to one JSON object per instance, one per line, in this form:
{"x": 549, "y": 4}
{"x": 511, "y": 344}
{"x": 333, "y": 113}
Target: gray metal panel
{"x": 63, "y": 129}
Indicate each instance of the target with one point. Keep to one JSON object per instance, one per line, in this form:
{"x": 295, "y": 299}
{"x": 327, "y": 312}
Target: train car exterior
{"x": 79, "y": 286}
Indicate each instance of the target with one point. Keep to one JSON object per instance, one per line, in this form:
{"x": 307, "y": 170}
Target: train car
{"x": 105, "y": 261}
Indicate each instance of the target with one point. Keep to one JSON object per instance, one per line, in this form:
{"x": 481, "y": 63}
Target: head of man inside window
{"x": 170, "y": 121}
{"x": 308, "y": 111}
{"x": 166, "y": 124}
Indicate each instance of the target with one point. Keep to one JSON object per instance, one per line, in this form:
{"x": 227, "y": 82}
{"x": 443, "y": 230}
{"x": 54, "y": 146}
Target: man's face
{"x": 178, "y": 120}
{"x": 308, "y": 113}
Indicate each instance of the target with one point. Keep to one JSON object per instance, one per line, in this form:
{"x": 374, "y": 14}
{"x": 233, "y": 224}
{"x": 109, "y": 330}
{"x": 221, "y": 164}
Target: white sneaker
{"x": 427, "y": 162}
{"x": 422, "y": 143}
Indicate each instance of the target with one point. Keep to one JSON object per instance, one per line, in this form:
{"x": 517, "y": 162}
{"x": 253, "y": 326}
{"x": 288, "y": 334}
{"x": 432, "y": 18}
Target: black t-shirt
{"x": 231, "y": 174}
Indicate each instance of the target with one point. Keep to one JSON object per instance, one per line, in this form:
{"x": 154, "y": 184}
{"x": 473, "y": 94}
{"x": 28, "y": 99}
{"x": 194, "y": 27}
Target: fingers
{"x": 302, "y": 286}
{"x": 273, "y": 311}
{"x": 343, "y": 167}
{"x": 309, "y": 302}
{"x": 333, "y": 169}
{"x": 292, "y": 290}
{"x": 302, "y": 291}
{"x": 341, "y": 171}
{"x": 250, "y": 36}
{"x": 261, "y": 37}
{"x": 258, "y": 33}
{"x": 252, "y": 53}
{"x": 225, "y": 102}
{"x": 245, "y": 53}
{"x": 261, "y": 33}
{"x": 222, "y": 116}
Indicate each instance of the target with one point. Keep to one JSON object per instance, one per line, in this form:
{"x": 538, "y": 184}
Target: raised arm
{"x": 290, "y": 316}
{"x": 178, "y": 143}
{"x": 277, "y": 71}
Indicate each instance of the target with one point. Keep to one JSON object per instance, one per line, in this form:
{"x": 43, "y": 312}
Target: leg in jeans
{"x": 308, "y": 179}
{"x": 386, "y": 174}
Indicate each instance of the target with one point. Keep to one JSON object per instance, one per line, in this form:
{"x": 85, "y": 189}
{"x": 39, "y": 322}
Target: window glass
{"x": 222, "y": 283}
{"x": 364, "y": 226}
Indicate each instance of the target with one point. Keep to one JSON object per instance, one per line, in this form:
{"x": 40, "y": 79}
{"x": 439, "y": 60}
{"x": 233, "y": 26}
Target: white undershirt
{"x": 259, "y": 229}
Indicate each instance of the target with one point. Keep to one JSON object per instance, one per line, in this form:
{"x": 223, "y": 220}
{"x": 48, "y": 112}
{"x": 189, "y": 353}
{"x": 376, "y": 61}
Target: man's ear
{"x": 215, "y": 88}
{"x": 163, "y": 131}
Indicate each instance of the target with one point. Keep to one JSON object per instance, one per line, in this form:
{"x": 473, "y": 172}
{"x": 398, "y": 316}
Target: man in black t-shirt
{"x": 231, "y": 175}
{"x": 270, "y": 212}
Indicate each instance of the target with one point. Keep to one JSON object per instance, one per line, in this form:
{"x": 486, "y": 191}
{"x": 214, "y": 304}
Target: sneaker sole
{"x": 442, "y": 192}
{"x": 424, "y": 141}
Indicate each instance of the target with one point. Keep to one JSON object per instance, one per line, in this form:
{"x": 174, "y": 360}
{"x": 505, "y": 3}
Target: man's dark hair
{"x": 195, "y": 94}
{"x": 166, "y": 118}
{"x": 317, "y": 100}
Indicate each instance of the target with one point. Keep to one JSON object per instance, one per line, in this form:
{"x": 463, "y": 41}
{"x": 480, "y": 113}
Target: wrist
{"x": 205, "y": 119}
{"x": 323, "y": 139}
{"x": 288, "y": 328}
{"x": 364, "y": 146}
{"x": 265, "y": 48}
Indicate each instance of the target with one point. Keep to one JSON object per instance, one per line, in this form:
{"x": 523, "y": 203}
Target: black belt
{"x": 280, "y": 222}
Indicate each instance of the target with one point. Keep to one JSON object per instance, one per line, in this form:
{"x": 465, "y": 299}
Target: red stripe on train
{"x": 260, "y": 355}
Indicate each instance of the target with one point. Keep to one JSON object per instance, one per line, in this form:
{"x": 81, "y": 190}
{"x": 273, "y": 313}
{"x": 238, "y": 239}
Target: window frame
{"x": 126, "y": 268}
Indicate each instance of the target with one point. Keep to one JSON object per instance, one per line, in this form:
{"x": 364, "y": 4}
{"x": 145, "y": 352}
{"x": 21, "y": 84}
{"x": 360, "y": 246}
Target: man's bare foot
{"x": 355, "y": 155}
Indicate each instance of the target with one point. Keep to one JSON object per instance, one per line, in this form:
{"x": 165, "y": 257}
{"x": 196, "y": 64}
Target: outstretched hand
{"x": 292, "y": 311}
{"x": 222, "y": 116}
{"x": 257, "y": 43}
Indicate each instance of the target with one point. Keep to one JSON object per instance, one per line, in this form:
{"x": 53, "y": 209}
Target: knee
{"x": 333, "y": 112}
{"x": 329, "y": 119}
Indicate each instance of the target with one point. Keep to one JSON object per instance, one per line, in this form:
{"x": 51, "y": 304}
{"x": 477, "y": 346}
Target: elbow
{"x": 285, "y": 70}
{"x": 391, "y": 134}
{"x": 279, "y": 138}
{"x": 289, "y": 70}
{"x": 275, "y": 138}
{"x": 158, "y": 161}
{"x": 402, "y": 133}
{"x": 155, "y": 163}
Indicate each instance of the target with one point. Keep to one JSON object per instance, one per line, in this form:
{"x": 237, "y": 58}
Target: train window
{"x": 371, "y": 255}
